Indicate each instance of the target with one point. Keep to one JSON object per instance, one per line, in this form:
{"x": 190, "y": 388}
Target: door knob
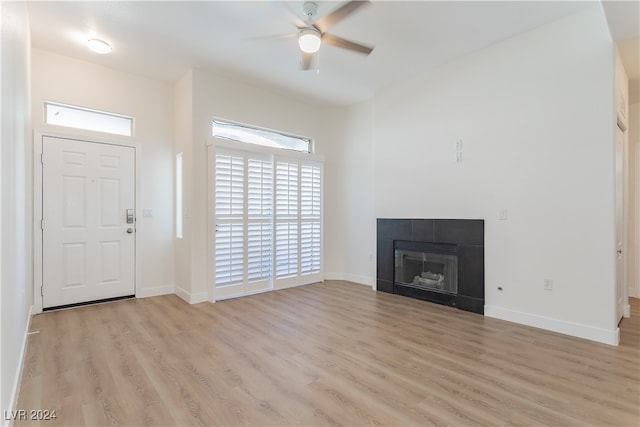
{"x": 129, "y": 230}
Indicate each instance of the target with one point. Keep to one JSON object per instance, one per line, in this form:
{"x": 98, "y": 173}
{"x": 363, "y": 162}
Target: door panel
{"x": 88, "y": 254}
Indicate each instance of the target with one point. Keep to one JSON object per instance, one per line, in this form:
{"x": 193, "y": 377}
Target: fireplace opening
{"x": 431, "y": 267}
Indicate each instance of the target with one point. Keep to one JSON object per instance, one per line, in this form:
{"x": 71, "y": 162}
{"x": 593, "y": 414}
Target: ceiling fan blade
{"x": 305, "y": 60}
{"x": 345, "y": 44}
{"x": 326, "y": 22}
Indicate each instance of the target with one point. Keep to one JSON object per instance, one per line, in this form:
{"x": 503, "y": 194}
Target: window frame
{"x": 47, "y": 103}
{"x": 214, "y": 144}
{"x": 308, "y": 140}
{"x": 179, "y": 182}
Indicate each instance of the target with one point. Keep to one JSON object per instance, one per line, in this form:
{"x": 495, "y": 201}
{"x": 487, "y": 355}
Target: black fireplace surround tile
{"x": 385, "y": 262}
{"x": 395, "y": 229}
{"x": 466, "y": 234}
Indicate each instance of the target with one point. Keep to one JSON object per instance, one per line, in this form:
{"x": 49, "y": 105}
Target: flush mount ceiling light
{"x": 309, "y": 40}
{"x": 99, "y": 46}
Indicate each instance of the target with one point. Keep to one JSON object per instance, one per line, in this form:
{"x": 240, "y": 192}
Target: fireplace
{"x": 426, "y": 266}
{"x": 437, "y": 260}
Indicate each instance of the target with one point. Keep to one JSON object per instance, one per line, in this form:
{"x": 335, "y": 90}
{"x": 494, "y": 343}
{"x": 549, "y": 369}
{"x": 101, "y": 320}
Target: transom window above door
{"x": 76, "y": 117}
{"x": 260, "y": 136}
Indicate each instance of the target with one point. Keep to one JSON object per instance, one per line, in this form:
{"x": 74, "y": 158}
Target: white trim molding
{"x": 360, "y": 280}
{"x": 155, "y": 291}
{"x": 191, "y": 298}
{"x": 15, "y": 390}
{"x": 605, "y": 336}
{"x": 334, "y": 276}
{"x": 627, "y": 310}
{"x": 354, "y": 278}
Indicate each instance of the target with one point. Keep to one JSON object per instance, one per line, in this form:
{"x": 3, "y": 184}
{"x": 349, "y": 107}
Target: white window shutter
{"x": 310, "y": 248}
{"x": 260, "y": 188}
{"x": 287, "y": 189}
{"x": 229, "y": 263}
{"x": 259, "y": 219}
{"x": 229, "y": 189}
{"x": 310, "y": 191}
{"x": 286, "y": 218}
{"x": 310, "y": 206}
{"x": 229, "y": 208}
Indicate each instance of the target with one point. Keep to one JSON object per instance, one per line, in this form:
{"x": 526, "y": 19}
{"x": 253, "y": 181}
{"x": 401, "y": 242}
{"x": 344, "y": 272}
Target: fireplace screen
{"x": 425, "y": 270}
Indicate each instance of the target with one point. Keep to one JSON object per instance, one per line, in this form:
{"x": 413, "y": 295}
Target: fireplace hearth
{"x": 438, "y": 260}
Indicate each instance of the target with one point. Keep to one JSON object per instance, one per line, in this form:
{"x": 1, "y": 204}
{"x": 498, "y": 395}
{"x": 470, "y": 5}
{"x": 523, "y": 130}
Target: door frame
{"x": 38, "y": 208}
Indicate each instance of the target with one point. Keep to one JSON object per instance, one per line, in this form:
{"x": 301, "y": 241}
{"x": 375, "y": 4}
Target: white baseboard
{"x": 361, "y": 280}
{"x": 189, "y": 297}
{"x": 333, "y": 276}
{"x": 154, "y": 292}
{"x": 243, "y": 295}
{"x": 15, "y": 390}
{"x": 605, "y": 336}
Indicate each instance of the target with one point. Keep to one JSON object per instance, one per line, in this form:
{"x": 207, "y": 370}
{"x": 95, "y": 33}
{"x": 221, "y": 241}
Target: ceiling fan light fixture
{"x": 99, "y": 46}
{"x": 309, "y": 40}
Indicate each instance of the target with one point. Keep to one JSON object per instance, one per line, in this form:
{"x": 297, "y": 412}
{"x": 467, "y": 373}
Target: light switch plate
{"x": 147, "y": 213}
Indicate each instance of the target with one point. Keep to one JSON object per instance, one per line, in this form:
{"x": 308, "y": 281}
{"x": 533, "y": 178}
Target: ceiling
{"x": 624, "y": 23}
{"x": 162, "y": 39}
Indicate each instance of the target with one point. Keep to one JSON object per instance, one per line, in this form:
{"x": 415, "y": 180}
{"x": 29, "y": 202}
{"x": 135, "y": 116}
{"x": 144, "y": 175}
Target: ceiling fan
{"x": 313, "y": 33}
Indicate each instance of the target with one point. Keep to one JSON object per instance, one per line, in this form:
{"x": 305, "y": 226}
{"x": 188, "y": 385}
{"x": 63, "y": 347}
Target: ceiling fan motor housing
{"x": 310, "y": 10}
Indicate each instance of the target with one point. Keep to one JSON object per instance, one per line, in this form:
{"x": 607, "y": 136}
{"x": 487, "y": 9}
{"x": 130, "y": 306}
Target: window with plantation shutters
{"x": 268, "y": 222}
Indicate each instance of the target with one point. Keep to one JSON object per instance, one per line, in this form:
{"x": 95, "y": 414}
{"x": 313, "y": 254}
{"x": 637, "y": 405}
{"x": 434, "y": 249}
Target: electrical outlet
{"x": 458, "y": 144}
{"x": 458, "y": 156}
{"x": 548, "y": 284}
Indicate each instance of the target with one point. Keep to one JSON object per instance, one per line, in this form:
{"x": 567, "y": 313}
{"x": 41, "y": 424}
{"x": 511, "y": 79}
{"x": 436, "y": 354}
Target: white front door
{"x": 88, "y": 240}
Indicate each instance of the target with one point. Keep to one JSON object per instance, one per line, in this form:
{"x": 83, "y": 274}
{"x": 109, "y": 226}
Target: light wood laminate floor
{"x": 335, "y": 353}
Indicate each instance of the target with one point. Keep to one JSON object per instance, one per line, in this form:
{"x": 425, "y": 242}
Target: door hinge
{"x": 42, "y": 291}
{"x": 42, "y": 224}
{"x": 42, "y": 158}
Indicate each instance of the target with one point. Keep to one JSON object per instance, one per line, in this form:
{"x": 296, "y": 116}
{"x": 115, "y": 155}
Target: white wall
{"x": 182, "y": 139}
{"x": 633, "y": 272}
{"x": 357, "y": 205}
{"x": 215, "y": 96}
{"x": 536, "y": 117}
{"x": 71, "y": 81}
{"x": 15, "y": 267}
